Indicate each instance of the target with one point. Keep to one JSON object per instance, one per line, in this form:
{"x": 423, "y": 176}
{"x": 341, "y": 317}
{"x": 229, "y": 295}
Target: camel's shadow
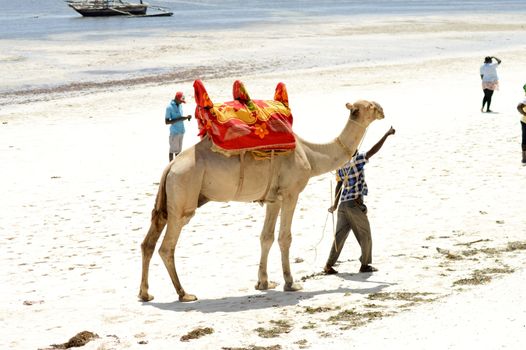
{"x": 266, "y": 299}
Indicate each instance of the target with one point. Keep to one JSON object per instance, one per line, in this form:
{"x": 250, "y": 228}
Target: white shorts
{"x": 176, "y": 143}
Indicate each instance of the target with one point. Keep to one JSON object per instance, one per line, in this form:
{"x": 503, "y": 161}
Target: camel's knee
{"x": 266, "y": 237}
{"x": 149, "y": 242}
{"x": 166, "y": 254}
{"x": 147, "y": 247}
{"x": 285, "y": 241}
{"x": 187, "y": 216}
{"x": 158, "y": 220}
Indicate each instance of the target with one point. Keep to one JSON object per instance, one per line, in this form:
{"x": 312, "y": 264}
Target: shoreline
{"x": 181, "y": 57}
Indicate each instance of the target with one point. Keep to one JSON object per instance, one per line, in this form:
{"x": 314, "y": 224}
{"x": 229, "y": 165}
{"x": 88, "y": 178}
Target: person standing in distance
{"x": 174, "y": 118}
{"x": 490, "y": 80}
{"x": 521, "y": 107}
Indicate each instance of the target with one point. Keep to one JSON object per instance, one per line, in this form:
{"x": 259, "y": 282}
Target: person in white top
{"x": 521, "y": 107}
{"x": 490, "y": 80}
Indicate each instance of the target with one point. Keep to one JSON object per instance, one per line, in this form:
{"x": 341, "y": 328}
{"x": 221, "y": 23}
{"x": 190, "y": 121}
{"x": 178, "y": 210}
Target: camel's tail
{"x": 160, "y": 210}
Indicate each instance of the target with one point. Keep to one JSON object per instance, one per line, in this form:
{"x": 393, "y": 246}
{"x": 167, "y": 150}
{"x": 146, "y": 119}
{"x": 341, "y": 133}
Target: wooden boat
{"x": 99, "y": 8}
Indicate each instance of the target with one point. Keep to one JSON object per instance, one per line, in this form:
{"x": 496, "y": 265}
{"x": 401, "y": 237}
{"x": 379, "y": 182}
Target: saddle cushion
{"x": 244, "y": 123}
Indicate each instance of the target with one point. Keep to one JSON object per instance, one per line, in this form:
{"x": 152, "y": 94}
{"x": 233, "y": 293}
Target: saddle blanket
{"x": 245, "y": 124}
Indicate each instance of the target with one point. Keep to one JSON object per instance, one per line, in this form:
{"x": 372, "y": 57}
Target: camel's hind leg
{"x": 147, "y": 247}
{"x": 285, "y": 240}
{"x": 266, "y": 239}
{"x": 167, "y": 251}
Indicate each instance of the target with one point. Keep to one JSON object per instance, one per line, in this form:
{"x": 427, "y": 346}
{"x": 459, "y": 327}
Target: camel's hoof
{"x": 145, "y": 297}
{"x": 187, "y": 297}
{"x": 265, "y": 285}
{"x": 292, "y": 287}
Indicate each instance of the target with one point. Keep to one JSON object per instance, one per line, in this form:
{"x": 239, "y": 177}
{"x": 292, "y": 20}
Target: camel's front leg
{"x": 285, "y": 239}
{"x": 167, "y": 251}
{"x": 266, "y": 239}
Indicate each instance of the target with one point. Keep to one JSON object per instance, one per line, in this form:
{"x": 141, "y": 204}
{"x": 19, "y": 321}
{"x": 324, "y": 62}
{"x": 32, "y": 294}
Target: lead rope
{"x": 325, "y": 225}
{"x": 323, "y": 230}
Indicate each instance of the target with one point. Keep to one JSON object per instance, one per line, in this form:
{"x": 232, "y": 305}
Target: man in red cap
{"x": 174, "y": 118}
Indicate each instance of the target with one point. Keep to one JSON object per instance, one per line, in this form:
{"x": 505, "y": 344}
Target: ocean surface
{"x": 34, "y": 61}
{"x": 30, "y": 19}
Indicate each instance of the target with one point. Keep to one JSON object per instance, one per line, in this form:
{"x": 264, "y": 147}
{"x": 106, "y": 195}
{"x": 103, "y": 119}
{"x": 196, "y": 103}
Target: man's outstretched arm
{"x": 379, "y": 144}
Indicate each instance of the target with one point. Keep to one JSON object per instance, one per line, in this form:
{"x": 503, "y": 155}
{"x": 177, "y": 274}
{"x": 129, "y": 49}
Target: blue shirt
{"x": 353, "y": 178}
{"x": 174, "y": 111}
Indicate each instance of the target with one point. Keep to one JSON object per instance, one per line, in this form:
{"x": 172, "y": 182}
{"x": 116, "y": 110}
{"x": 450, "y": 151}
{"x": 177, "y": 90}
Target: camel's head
{"x": 365, "y": 112}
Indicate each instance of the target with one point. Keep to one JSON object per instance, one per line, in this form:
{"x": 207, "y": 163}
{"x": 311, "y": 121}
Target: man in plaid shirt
{"x": 352, "y": 212}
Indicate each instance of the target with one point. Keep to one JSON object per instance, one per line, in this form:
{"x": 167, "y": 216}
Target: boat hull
{"x": 125, "y": 10}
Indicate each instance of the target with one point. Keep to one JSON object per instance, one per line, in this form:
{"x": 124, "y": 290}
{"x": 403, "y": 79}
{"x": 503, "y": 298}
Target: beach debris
{"x": 302, "y": 343}
{"x": 255, "y": 347}
{"x": 33, "y": 302}
{"x": 473, "y": 242}
{"x": 78, "y": 340}
{"x": 197, "y": 333}
{"x": 448, "y": 254}
{"x": 313, "y": 275}
{"x": 404, "y": 296}
{"x": 353, "y": 319}
{"x": 142, "y": 341}
{"x": 516, "y": 246}
{"x": 476, "y": 278}
{"x": 483, "y": 276}
{"x": 280, "y": 327}
{"x": 314, "y": 310}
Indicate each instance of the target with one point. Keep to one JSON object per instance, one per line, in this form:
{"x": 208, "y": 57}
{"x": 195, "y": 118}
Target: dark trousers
{"x": 487, "y": 98}
{"x": 352, "y": 215}
{"x": 523, "y": 125}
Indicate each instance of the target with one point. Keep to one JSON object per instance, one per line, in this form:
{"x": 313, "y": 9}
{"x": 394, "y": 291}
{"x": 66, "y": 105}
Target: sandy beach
{"x": 81, "y": 162}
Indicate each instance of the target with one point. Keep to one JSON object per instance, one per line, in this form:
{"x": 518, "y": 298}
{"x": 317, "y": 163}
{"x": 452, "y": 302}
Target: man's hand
{"x": 332, "y": 209}
{"x": 391, "y": 131}
{"x": 189, "y": 116}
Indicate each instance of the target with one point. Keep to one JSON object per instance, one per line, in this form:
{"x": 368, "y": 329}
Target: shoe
{"x": 489, "y": 111}
{"x": 367, "y": 268}
{"x": 328, "y": 270}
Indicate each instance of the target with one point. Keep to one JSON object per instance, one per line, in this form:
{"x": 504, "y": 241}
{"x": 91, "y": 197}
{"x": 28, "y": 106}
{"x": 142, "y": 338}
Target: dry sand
{"x": 79, "y": 176}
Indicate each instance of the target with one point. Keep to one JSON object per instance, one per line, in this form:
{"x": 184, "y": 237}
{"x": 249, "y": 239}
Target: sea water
{"x": 28, "y": 26}
{"x": 29, "y": 19}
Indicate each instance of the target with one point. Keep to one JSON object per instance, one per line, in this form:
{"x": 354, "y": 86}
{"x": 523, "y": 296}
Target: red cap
{"x": 179, "y": 96}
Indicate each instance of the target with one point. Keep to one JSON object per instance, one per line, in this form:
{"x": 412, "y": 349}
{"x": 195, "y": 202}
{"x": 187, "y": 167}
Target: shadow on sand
{"x": 267, "y": 299}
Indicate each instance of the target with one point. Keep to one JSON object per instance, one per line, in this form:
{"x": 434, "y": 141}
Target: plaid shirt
{"x": 353, "y": 178}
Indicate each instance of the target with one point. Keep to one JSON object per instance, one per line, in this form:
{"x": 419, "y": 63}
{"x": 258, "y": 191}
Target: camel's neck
{"x": 329, "y": 156}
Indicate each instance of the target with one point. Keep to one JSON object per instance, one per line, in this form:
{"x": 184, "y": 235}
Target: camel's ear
{"x": 351, "y": 108}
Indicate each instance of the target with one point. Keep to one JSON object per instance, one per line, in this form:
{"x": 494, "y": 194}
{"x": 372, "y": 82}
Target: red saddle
{"x": 245, "y": 124}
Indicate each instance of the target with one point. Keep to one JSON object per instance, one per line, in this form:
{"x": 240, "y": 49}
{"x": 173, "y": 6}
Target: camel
{"x": 198, "y": 175}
